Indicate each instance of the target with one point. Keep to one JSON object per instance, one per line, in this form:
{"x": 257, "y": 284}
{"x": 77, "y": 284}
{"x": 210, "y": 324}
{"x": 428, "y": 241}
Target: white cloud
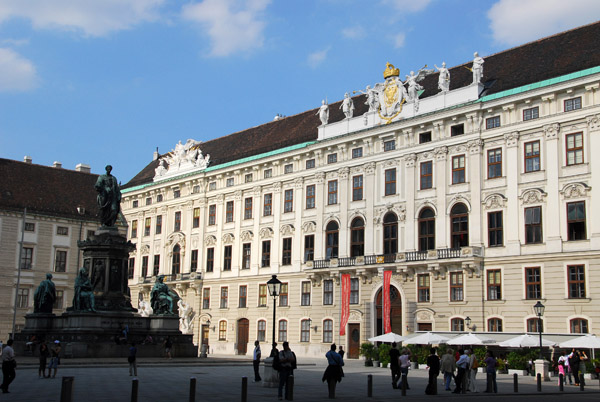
{"x": 232, "y": 25}
{"x": 316, "y": 58}
{"x": 353, "y": 32}
{"x": 399, "y": 40}
{"x": 410, "y": 6}
{"x": 16, "y": 72}
{"x": 91, "y": 17}
{"x": 514, "y": 22}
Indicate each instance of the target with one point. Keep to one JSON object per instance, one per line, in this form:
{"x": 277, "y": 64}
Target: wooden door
{"x": 242, "y": 336}
{"x": 353, "y": 340}
{"x": 204, "y": 334}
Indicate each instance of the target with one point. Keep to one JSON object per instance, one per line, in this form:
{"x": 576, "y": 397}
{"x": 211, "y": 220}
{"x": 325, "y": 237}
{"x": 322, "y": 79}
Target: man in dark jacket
{"x": 433, "y": 361}
{"x": 394, "y": 365}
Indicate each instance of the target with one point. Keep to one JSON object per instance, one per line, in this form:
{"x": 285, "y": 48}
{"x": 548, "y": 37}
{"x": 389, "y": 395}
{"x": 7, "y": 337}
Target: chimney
{"x": 57, "y": 165}
{"x": 27, "y": 159}
{"x": 156, "y": 155}
{"x": 83, "y": 168}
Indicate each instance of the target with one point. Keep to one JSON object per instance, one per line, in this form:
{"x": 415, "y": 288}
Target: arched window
{"x": 305, "y": 331}
{"x": 332, "y": 240}
{"x": 261, "y": 330}
{"x": 426, "y": 230}
{"x": 579, "y": 326}
{"x": 222, "y": 330}
{"x": 533, "y": 325}
{"x": 494, "y": 325}
{"x": 357, "y": 237}
{"x": 176, "y": 267}
{"x": 328, "y": 331}
{"x": 390, "y": 233}
{"x": 457, "y": 324}
{"x": 459, "y": 221}
{"x": 283, "y": 325}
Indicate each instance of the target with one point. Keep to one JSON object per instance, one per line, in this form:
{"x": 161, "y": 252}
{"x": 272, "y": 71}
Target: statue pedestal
{"x": 270, "y": 377}
{"x": 541, "y": 367}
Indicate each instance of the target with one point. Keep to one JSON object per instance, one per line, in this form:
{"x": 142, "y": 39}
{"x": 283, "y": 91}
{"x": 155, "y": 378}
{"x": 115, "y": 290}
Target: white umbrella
{"x": 389, "y": 337}
{"x": 583, "y": 342}
{"x": 525, "y": 341}
{"x": 428, "y": 338}
{"x": 470, "y": 339}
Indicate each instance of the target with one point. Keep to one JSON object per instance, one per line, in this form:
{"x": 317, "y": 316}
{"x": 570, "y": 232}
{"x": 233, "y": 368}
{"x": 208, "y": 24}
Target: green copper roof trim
{"x": 540, "y": 84}
{"x": 224, "y": 165}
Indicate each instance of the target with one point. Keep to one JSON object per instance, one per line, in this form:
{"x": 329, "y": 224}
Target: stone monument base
{"x": 101, "y": 334}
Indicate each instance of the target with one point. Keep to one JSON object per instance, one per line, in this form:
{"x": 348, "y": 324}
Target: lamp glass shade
{"x": 274, "y": 286}
{"x": 468, "y": 321}
{"x": 539, "y": 309}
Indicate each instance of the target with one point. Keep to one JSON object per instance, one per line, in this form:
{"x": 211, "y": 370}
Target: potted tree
{"x": 517, "y": 363}
{"x": 366, "y": 350}
{"x": 384, "y": 354}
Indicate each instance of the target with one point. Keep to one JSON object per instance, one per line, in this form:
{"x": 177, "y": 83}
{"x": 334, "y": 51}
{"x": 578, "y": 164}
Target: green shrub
{"x": 366, "y": 350}
{"x": 517, "y": 360}
{"x": 384, "y": 354}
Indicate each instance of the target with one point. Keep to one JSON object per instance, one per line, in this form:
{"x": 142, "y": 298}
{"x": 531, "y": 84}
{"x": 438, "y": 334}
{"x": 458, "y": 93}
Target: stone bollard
{"x": 244, "y": 389}
{"x": 370, "y": 385}
{"x": 66, "y": 390}
{"x": 404, "y": 384}
{"x": 516, "y": 382}
{"x": 581, "y": 383}
{"x": 561, "y": 382}
{"x": 539, "y": 382}
{"x": 192, "y": 389}
{"x": 489, "y": 383}
{"x": 289, "y": 389}
{"x": 134, "y": 390}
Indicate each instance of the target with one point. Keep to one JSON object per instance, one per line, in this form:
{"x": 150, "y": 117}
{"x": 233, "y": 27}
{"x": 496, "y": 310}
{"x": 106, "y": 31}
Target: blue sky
{"x": 108, "y": 81}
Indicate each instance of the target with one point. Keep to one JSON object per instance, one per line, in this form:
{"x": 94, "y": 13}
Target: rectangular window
{"x": 304, "y": 331}
{"x": 29, "y": 227}
{"x": 210, "y": 259}
{"x": 283, "y": 295}
{"x": 492, "y": 122}
{"x": 456, "y": 286}
{"x": 268, "y": 205}
{"x": 177, "y": 226}
{"x": 458, "y": 169}
{"x": 246, "y": 250}
{"x": 62, "y": 230}
{"x": 224, "y": 297}
{"x": 423, "y": 287}
{"x": 145, "y": 261}
{"x": 194, "y": 261}
{"x": 576, "y": 281}
{"x": 573, "y": 104}
{"x": 248, "y": 178}
{"x": 533, "y": 225}
{"x": 354, "y": 290}
{"x": 532, "y": 156}
{"x": 389, "y": 145}
{"x": 328, "y": 331}
{"x": 495, "y": 229}
{"x": 147, "y": 226}
{"x": 533, "y": 283}
{"x": 229, "y": 182}
{"x": 227, "y": 252}
{"x": 328, "y": 292}
{"x": 287, "y": 251}
{"x": 159, "y": 198}
{"x": 305, "y": 298}
{"x": 243, "y": 296}
{"x": 282, "y": 335}
{"x": 158, "y": 225}
{"x": 576, "y": 220}
{"x": 357, "y": 188}
{"x": 59, "y": 301}
{"x": 27, "y": 258}
{"x": 206, "y": 298}
{"x": 212, "y": 185}
{"x": 425, "y": 137}
{"x": 332, "y": 186}
{"x": 268, "y": 173}
{"x": 574, "y": 149}
{"x": 229, "y": 211}
{"x": 390, "y": 182}
{"x": 266, "y": 254}
{"x": 532, "y": 113}
{"x": 135, "y": 204}
{"x": 60, "y": 261}
{"x": 458, "y": 129}
{"x": 310, "y": 163}
{"x": 212, "y": 215}
{"x": 289, "y": 168}
{"x": 426, "y": 175}
{"x": 310, "y": 196}
{"x": 222, "y": 330}
{"x": 196, "y": 218}
{"x": 176, "y": 193}
{"x": 131, "y": 268}
{"x": 262, "y": 295}
{"x": 332, "y": 158}
{"x": 357, "y": 153}
{"x": 261, "y": 330}
{"x": 494, "y": 284}
{"x": 309, "y": 248}
{"x": 156, "y": 266}
{"x": 149, "y": 201}
{"x": 248, "y": 208}
{"x": 133, "y": 229}
{"x": 288, "y": 205}
{"x": 494, "y": 163}
{"x": 23, "y": 298}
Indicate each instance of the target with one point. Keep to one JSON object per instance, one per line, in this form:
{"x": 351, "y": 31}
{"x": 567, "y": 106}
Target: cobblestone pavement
{"x": 220, "y": 379}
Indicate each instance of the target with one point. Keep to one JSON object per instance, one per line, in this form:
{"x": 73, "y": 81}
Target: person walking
{"x": 404, "y": 362}
{"x": 582, "y": 369}
{"x": 132, "y": 359}
{"x": 448, "y": 365}
{"x": 54, "y": 358}
{"x": 44, "y": 353}
{"x": 473, "y": 366}
{"x": 574, "y": 361}
{"x": 333, "y": 372}
{"x": 462, "y": 366}
{"x": 395, "y": 365}
{"x": 256, "y": 361}
{"x": 433, "y": 362}
{"x": 168, "y": 345}
{"x": 9, "y": 364}
{"x": 490, "y": 371}
{"x": 564, "y": 359}
{"x": 341, "y": 351}
{"x": 287, "y": 360}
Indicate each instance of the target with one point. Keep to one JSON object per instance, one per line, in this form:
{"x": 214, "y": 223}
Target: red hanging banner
{"x": 345, "y": 303}
{"x": 387, "y": 307}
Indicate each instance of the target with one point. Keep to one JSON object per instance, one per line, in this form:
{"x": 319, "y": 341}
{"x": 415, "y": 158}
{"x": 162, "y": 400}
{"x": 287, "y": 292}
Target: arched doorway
{"x": 395, "y": 313}
{"x": 242, "y": 336}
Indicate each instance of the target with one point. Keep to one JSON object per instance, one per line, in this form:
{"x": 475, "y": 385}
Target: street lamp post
{"x": 274, "y": 286}
{"x": 468, "y": 322}
{"x": 539, "y": 311}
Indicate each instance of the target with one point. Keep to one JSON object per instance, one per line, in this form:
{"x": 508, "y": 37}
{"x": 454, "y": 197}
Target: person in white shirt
{"x": 8, "y": 366}
{"x": 462, "y": 365}
{"x": 256, "y": 361}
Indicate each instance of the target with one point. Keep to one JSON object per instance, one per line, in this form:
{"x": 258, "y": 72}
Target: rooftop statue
{"x": 477, "y": 68}
{"x": 161, "y": 298}
{"x": 444, "y": 78}
{"x": 414, "y": 87}
{"x": 109, "y": 198}
{"x": 372, "y": 98}
{"x": 323, "y": 112}
{"x": 186, "y": 156}
{"x": 83, "y": 299}
{"x": 44, "y": 296}
{"x": 347, "y": 106}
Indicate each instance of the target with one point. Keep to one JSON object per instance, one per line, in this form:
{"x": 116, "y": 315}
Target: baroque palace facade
{"x": 474, "y": 185}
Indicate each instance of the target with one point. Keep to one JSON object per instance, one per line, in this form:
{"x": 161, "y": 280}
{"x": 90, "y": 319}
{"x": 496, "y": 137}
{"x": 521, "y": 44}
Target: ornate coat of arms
{"x": 391, "y": 93}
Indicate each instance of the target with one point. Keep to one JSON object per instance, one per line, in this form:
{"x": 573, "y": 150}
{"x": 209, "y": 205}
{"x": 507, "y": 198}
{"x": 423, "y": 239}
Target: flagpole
{"x": 18, "y": 273}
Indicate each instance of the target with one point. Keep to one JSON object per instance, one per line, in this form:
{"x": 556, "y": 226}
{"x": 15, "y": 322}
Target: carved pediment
{"x": 228, "y": 238}
{"x": 309, "y": 227}
{"x": 286, "y": 230}
{"x": 533, "y": 196}
{"x": 210, "y": 240}
{"x": 494, "y": 201}
{"x": 575, "y": 190}
{"x": 265, "y": 233}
